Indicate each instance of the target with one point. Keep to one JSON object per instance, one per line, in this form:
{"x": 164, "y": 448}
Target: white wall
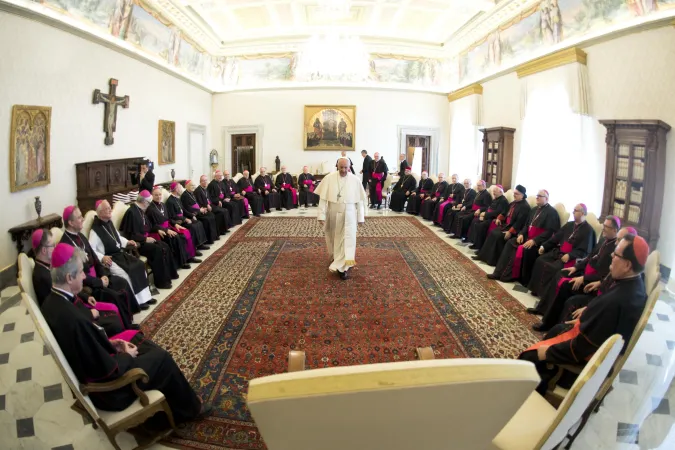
{"x": 280, "y": 113}
{"x": 630, "y": 78}
{"x": 41, "y": 65}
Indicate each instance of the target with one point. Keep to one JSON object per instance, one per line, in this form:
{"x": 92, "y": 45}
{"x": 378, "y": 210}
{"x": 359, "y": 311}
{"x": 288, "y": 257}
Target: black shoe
{"x": 173, "y": 277}
{"x": 144, "y": 307}
{"x": 492, "y": 276}
{"x": 198, "y": 253}
{"x": 540, "y": 327}
{"x": 278, "y": 209}
{"x": 206, "y": 410}
{"x": 475, "y": 258}
{"x": 185, "y": 266}
{"x": 473, "y": 247}
{"x": 152, "y": 301}
{"x": 343, "y": 275}
{"x": 378, "y": 206}
{"x": 256, "y": 215}
{"x": 372, "y": 206}
{"x": 154, "y": 291}
{"x": 134, "y": 326}
{"x": 268, "y": 211}
{"x": 203, "y": 247}
{"x": 195, "y": 260}
{"x": 534, "y": 311}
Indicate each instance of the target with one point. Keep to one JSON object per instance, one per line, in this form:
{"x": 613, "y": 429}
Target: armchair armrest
{"x": 130, "y": 377}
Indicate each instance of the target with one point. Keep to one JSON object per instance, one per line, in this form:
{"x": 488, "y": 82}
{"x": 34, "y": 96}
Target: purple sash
{"x": 125, "y": 336}
{"x": 566, "y": 248}
{"x": 294, "y": 193}
{"x": 378, "y": 186}
{"x": 248, "y": 188}
{"x": 441, "y": 208}
{"x": 310, "y": 184}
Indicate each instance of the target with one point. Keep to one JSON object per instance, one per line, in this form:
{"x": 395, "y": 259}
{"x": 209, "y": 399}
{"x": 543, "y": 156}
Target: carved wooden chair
{"x": 111, "y": 422}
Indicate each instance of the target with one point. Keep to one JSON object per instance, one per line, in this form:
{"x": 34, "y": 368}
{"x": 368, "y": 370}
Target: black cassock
{"x": 541, "y": 224}
{"x": 285, "y": 181}
{"x": 424, "y": 187}
{"x": 616, "y": 311}
{"x": 379, "y": 167}
{"x": 220, "y": 199}
{"x": 254, "y": 200}
{"x": 223, "y": 221}
{"x": 177, "y": 216}
{"x": 479, "y": 228}
{"x": 454, "y": 194}
{"x": 428, "y": 204}
{"x": 159, "y": 221}
{"x": 134, "y": 267}
{"x": 594, "y": 267}
{"x": 135, "y": 226}
{"x": 118, "y": 292}
{"x": 450, "y": 213}
{"x": 148, "y": 181}
{"x": 367, "y": 170}
{"x": 401, "y": 168}
{"x": 94, "y": 360}
{"x": 42, "y": 283}
{"x": 231, "y": 191}
{"x": 271, "y": 200}
{"x": 462, "y": 221}
{"x": 573, "y": 239}
{"x": 192, "y": 211}
{"x": 404, "y": 184}
{"x": 306, "y": 190}
{"x": 494, "y": 243}
{"x": 580, "y": 300}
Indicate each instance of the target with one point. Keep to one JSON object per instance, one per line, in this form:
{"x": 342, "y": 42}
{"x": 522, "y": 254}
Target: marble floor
{"x": 35, "y": 400}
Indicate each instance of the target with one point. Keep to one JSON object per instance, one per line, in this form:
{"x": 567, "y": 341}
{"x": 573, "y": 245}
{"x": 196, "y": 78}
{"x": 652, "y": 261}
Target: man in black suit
{"x": 367, "y": 170}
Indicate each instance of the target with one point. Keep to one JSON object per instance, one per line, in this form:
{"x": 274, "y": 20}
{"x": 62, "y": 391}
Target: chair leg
{"x": 425, "y": 353}
{"x": 79, "y": 408}
{"x": 169, "y": 415}
{"x": 296, "y": 361}
{"x": 584, "y": 419}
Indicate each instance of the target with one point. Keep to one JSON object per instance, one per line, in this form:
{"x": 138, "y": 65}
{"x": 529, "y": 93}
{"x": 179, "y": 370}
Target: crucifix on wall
{"x": 110, "y": 113}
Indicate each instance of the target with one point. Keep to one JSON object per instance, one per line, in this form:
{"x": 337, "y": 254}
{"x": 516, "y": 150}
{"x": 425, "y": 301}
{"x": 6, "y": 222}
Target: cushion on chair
{"x": 165, "y": 195}
{"x": 118, "y": 212}
{"x": 113, "y": 417}
{"x": 57, "y": 234}
{"x": 88, "y": 222}
{"x": 562, "y": 213}
{"x": 25, "y": 275}
{"x": 237, "y": 177}
{"x": 524, "y": 430}
{"x": 652, "y": 271}
{"x": 532, "y": 201}
{"x": 509, "y": 195}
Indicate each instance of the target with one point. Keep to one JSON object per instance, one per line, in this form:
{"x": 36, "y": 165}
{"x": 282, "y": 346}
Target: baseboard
{"x": 8, "y": 276}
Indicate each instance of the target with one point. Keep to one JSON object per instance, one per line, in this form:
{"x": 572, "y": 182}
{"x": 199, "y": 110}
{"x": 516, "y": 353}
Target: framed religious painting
{"x": 166, "y": 152}
{"x": 329, "y": 127}
{"x": 29, "y": 147}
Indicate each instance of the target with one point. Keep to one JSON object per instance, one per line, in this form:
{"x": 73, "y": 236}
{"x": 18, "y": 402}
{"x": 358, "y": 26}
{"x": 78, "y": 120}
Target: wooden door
{"x": 418, "y": 143}
{"x": 243, "y": 153}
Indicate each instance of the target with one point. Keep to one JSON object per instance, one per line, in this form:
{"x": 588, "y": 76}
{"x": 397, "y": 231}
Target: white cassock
{"x": 342, "y": 206}
{"x": 98, "y": 247}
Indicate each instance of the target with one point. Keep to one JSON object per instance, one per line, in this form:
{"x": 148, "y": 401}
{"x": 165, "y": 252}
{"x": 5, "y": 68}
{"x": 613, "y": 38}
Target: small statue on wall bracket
{"x": 173, "y": 174}
{"x": 277, "y": 162}
{"x": 38, "y": 207}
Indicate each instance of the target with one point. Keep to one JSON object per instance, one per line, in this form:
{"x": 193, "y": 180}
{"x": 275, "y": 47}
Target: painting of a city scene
{"x": 329, "y": 127}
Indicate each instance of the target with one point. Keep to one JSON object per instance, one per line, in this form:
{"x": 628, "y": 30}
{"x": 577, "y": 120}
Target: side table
{"x": 25, "y": 230}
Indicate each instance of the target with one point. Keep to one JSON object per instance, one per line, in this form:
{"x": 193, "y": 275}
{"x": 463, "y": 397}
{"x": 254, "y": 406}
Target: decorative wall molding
{"x": 561, "y": 58}
{"x": 465, "y": 92}
{"x": 403, "y": 130}
{"x": 259, "y": 132}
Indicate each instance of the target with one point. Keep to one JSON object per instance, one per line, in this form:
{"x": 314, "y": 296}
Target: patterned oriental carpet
{"x": 268, "y": 290}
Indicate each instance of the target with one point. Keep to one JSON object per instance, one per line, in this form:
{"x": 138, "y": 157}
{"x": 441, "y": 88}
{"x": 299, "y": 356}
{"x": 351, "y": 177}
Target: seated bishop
{"x": 193, "y": 211}
{"x": 416, "y": 198}
{"x": 430, "y": 202}
{"x": 459, "y": 227}
{"x": 616, "y": 311}
{"x": 177, "y": 216}
{"x": 135, "y": 226}
{"x": 265, "y": 188}
{"x": 488, "y": 220}
{"x": 286, "y": 189}
{"x": 453, "y": 195}
{"x": 232, "y": 191}
{"x": 570, "y": 281}
{"x": 496, "y": 239}
{"x": 246, "y": 189}
{"x": 106, "y": 315}
{"x": 223, "y": 219}
{"x": 96, "y": 357}
{"x": 306, "y": 186}
{"x": 520, "y": 252}
{"x": 403, "y": 188}
{"x": 573, "y": 241}
{"x": 110, "y": 247}
{"x": 220, "y": 197}
{"x": 99, "y": 282}
{"x": 460, "y": 206}
{"x": 178, "y": 237}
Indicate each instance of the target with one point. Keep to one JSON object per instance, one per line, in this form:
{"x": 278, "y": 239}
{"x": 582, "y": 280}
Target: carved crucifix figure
{"x": 111, "y": 101}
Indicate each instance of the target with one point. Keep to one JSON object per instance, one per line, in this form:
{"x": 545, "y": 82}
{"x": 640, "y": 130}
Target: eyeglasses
{"x": 579, "y": 210}
{"x": 607, "y": 227}
{"x": 541, "y": 196}
{"x": 616, "y": 255}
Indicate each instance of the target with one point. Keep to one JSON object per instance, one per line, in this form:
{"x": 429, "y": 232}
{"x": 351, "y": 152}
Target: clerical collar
{"x": 70, "y": 232}
{"x": 65, "y": 294}
{"x": 43, "y": 264}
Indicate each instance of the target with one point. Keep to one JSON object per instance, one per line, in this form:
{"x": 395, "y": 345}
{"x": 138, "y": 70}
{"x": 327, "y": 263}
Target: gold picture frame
{"x": 329, "y": 127}
{"x": 29, "y": 147}
{"x": 166, "y": 142}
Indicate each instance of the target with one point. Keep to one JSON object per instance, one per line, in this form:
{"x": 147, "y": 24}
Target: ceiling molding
{"x": 561, "y": 58}
{"x": 474, "y": 89}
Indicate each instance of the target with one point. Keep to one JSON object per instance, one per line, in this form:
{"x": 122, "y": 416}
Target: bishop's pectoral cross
{"x": 110, "y": 115}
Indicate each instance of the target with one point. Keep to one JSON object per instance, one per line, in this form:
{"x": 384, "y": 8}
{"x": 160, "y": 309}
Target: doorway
{"x": 418, "y": 151}
{"x": 196, "y": 151}
{"x": 243, "y": 153}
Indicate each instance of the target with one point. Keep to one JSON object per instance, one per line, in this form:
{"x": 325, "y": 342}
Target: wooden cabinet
{"x": 635, "y": 174}
{"x": 498, "y": 156}
{"x": 101, "y": 179}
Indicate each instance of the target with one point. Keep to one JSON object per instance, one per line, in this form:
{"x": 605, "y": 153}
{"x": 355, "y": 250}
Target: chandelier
{"x": 333, "y": 57}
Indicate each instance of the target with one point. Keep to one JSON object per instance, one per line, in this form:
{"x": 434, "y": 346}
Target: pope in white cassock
{"x": 341, "y": 206}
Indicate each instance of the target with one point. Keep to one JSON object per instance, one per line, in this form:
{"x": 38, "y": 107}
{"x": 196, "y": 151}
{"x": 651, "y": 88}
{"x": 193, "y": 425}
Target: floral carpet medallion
{"x": 268, "y": 290}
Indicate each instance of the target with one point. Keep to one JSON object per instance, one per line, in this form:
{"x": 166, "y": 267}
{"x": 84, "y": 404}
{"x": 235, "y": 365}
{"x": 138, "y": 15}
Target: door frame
{"x": 193, "y": 127}
{"x": 255, "y": 145}
{"x": 227, "y": 133}
{"x": 435, "y": 134}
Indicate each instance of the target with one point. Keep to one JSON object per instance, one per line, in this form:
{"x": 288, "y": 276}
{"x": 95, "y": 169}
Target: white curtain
{"x": 466, "y": 145}
{"x": 558, "y": 146}
{"x": 573, "y": 77}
